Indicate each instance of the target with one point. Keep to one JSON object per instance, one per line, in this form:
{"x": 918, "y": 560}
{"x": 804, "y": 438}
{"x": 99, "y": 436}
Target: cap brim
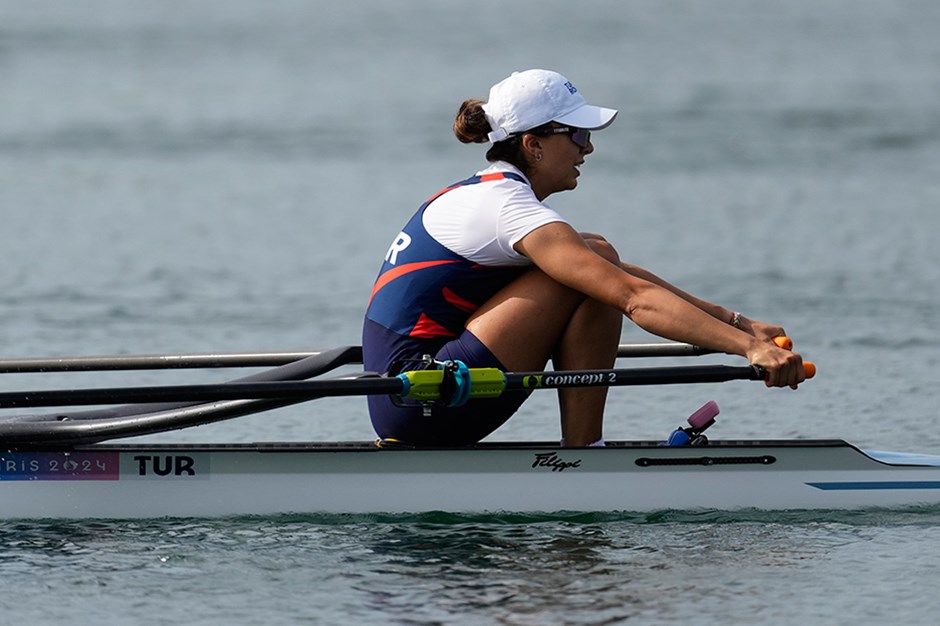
{"x": 589, "y": 117}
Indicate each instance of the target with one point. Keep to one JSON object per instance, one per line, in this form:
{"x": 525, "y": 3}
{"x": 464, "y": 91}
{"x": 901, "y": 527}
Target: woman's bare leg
{"x": 590, "y": 342}
{"x": 536, "y": 318}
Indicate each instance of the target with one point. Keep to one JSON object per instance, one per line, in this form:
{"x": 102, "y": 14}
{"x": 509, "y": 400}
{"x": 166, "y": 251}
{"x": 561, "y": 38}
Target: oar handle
{"x": 783, "y": 342}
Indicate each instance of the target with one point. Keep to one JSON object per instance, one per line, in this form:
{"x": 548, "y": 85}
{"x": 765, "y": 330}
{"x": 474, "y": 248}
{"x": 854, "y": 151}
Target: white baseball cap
{"x": 528, "y": 99}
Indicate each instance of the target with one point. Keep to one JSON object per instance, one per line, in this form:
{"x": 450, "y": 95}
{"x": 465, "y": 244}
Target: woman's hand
{"x": 783, "y": 367}
{"x": 761, "y": 330}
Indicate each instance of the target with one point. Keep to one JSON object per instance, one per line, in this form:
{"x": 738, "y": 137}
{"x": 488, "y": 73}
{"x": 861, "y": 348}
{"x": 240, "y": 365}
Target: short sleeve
{"x": 482, "y": 222}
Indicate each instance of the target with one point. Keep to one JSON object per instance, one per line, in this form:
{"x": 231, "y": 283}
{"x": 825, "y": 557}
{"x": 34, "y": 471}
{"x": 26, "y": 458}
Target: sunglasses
{"x": 580, "y": 136}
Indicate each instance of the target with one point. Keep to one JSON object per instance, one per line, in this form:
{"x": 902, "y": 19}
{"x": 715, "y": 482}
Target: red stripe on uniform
{"x": 483, "y": 179}
{"x": 398, "y": 272}
{"x": 427, "y": 328}
{"x": 464, "y": 305}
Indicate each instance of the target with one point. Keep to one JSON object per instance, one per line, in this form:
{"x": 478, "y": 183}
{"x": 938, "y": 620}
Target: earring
{"x": 538, "y": 157}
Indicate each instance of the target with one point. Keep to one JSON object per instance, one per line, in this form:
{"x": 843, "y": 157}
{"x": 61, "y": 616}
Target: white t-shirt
{"x": 483, "y": 222}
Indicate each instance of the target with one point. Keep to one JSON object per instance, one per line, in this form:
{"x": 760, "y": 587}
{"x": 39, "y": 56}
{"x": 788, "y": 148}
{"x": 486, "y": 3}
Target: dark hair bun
{"x": 470, "y": 125}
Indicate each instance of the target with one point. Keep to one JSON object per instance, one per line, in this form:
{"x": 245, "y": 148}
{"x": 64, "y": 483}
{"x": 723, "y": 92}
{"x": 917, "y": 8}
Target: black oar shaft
{"x": 149, "y": 362}
{"x": 306, "y": 389}
{"x": 640, "y": 350}
{"x": 633, "y": 376}
{"x": 251, "y": 359}
{"x": 368, "y": 385}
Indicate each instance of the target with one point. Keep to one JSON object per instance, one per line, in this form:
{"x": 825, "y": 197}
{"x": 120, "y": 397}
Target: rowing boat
{"x": 66, "y": 464}
{"x": 142, "y": 481}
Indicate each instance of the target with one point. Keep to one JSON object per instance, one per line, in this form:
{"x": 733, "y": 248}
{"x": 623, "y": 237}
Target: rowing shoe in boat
{"x": 64, "y": 464}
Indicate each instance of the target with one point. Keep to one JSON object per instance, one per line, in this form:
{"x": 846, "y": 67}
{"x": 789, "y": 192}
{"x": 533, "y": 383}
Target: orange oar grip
{"x": 809, "y": 368}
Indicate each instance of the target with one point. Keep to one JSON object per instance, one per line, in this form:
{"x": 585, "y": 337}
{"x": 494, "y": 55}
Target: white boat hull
{"x": 149, "y": 481}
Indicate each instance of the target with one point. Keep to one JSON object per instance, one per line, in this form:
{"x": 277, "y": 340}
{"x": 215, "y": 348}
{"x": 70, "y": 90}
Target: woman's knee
{"x": 601, "y": 246}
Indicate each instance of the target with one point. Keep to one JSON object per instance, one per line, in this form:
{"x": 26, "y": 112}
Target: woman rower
{"x": 486, "y": 273}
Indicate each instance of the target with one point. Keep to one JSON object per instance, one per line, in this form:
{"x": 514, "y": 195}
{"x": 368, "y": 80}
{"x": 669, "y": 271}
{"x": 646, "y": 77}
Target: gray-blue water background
{"x": 225, "y": 176}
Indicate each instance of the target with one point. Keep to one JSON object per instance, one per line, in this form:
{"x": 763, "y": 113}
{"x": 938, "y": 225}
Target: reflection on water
{"x": 433, "y": 568}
